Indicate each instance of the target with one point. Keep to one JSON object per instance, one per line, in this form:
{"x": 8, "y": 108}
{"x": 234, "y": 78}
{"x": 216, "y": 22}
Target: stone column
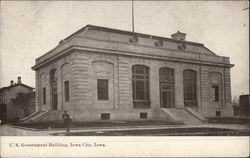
{"x": 179, "y": 96}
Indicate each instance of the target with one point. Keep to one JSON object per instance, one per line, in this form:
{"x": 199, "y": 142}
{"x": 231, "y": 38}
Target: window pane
{"x": 44, "y": 95}
{"x": 102, "y": 88}
{"x": 146, "y": 70}
{"x": 139, "y": 70}
{"x": 139, "y": 77}
{"x": 139, "y": 85}
{"x": 215, "y": 93}
{"x": 140, "y": 95}
{"x": 147, "y": 95}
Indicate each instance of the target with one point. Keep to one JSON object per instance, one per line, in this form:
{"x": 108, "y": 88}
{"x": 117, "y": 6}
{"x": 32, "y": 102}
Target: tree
{"x": 236, "y": 101}
{"x": 24, "y": 100}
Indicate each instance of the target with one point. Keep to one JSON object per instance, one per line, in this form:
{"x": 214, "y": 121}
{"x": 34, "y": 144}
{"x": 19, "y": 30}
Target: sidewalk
{"x": 12, "y": 131}
{"x": 156, "y": 127}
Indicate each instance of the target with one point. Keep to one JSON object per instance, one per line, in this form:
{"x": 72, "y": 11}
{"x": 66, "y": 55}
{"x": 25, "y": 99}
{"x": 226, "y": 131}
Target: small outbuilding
{"x": 16, "y": 101}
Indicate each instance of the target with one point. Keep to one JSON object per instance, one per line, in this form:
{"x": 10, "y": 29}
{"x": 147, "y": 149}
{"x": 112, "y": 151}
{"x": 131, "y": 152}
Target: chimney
{"x": 179, "y": 36}
{"x": 19, "y": 80}
{"x": 11, "y": 82}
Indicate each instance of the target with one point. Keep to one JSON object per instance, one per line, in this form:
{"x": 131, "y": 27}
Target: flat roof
{"x": 94, "y": 27}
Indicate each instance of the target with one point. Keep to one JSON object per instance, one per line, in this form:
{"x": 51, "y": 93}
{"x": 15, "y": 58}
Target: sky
{"x": 29, "y": 29}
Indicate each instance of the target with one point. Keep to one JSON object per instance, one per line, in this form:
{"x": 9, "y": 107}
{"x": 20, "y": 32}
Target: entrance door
{"x": 166, "y": 87}
{"x": 166, "y": 93}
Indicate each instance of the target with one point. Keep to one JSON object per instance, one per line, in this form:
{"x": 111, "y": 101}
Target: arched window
{"x": 140, "y": 77}
{"x": 189, "y": 85}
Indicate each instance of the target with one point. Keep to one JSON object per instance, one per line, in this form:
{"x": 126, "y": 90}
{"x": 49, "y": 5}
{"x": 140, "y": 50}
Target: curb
{"x": 96, "y": 128}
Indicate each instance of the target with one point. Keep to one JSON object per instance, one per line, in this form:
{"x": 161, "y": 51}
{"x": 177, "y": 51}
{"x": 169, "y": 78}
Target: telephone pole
{"x": 133, "y": 27}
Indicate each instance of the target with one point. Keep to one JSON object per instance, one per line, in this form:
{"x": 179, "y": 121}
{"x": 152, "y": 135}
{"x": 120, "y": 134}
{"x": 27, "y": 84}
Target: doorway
{"x": 166, "y": 87}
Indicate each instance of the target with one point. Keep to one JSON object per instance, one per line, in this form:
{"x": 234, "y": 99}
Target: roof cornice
{"x": 125, "y": 53}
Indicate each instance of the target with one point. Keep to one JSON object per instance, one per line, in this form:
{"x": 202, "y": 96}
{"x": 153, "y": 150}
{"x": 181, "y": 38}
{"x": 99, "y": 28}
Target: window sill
{"x": 141, "y": 105}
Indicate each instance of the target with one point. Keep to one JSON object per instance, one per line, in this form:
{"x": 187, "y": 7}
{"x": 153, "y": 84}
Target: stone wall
{"x": 83, "y": 68}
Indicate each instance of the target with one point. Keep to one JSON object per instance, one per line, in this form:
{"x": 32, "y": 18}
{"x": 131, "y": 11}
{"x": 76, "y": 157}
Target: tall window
{"x": 102, "y": 89}
{"x": 189, "y": 83}
{"x": 53, "y": 87}
{"x": 66, "y": 90}
{"x": 44, "y": 95}
{"x": 215, "y": 93}
{"x": 215, "y": 81}
{"x": 140, "y": 77}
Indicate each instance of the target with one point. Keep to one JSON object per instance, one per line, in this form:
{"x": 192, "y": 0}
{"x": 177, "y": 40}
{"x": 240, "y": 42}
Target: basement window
{"x": 143, "y": 115}
{"x": 105, "y": 116}
{"x": 218, "y": 113}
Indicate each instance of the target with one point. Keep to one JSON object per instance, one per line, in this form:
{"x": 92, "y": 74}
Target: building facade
{"x": 10, "y": 111}
{"x": 100, "y": 73}
{"x": 244, "y": 105}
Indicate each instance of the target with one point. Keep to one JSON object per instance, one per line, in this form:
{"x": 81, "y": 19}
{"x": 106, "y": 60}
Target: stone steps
{"x": 182, "y": 115}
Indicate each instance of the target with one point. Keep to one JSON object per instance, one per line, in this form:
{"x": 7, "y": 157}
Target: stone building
{"x": 100, "y": 73}
{"x": 10, "y": 111}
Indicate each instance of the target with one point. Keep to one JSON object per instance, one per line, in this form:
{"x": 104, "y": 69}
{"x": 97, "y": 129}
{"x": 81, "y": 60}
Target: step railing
{"x": 39, "y": 115}
{"x": 36, "y": 116}
{"x": 30, "y": 116}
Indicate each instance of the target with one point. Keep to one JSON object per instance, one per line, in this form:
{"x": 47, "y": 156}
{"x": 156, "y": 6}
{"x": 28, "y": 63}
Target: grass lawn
{"x": 229, "y": 120}
{"x": 45, "y": 125}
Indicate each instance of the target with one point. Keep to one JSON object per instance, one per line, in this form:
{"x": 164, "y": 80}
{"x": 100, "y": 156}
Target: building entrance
{"x": 166, "y": 87}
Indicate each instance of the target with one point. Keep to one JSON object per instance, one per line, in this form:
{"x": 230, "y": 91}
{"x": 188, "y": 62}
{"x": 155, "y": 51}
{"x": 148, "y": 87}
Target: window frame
{"x": 216, "y": 81}
{"x": 105, "y": 88}
{"x": 141, "y": 96}
{"x": 66, "y": 91}
{"x": 216, "y": 93}
{"x": 44, "y": 95}
{"x": 190, "y": 87}
{"x": 105, "y": 116}
{"x": 143, "y": 115}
